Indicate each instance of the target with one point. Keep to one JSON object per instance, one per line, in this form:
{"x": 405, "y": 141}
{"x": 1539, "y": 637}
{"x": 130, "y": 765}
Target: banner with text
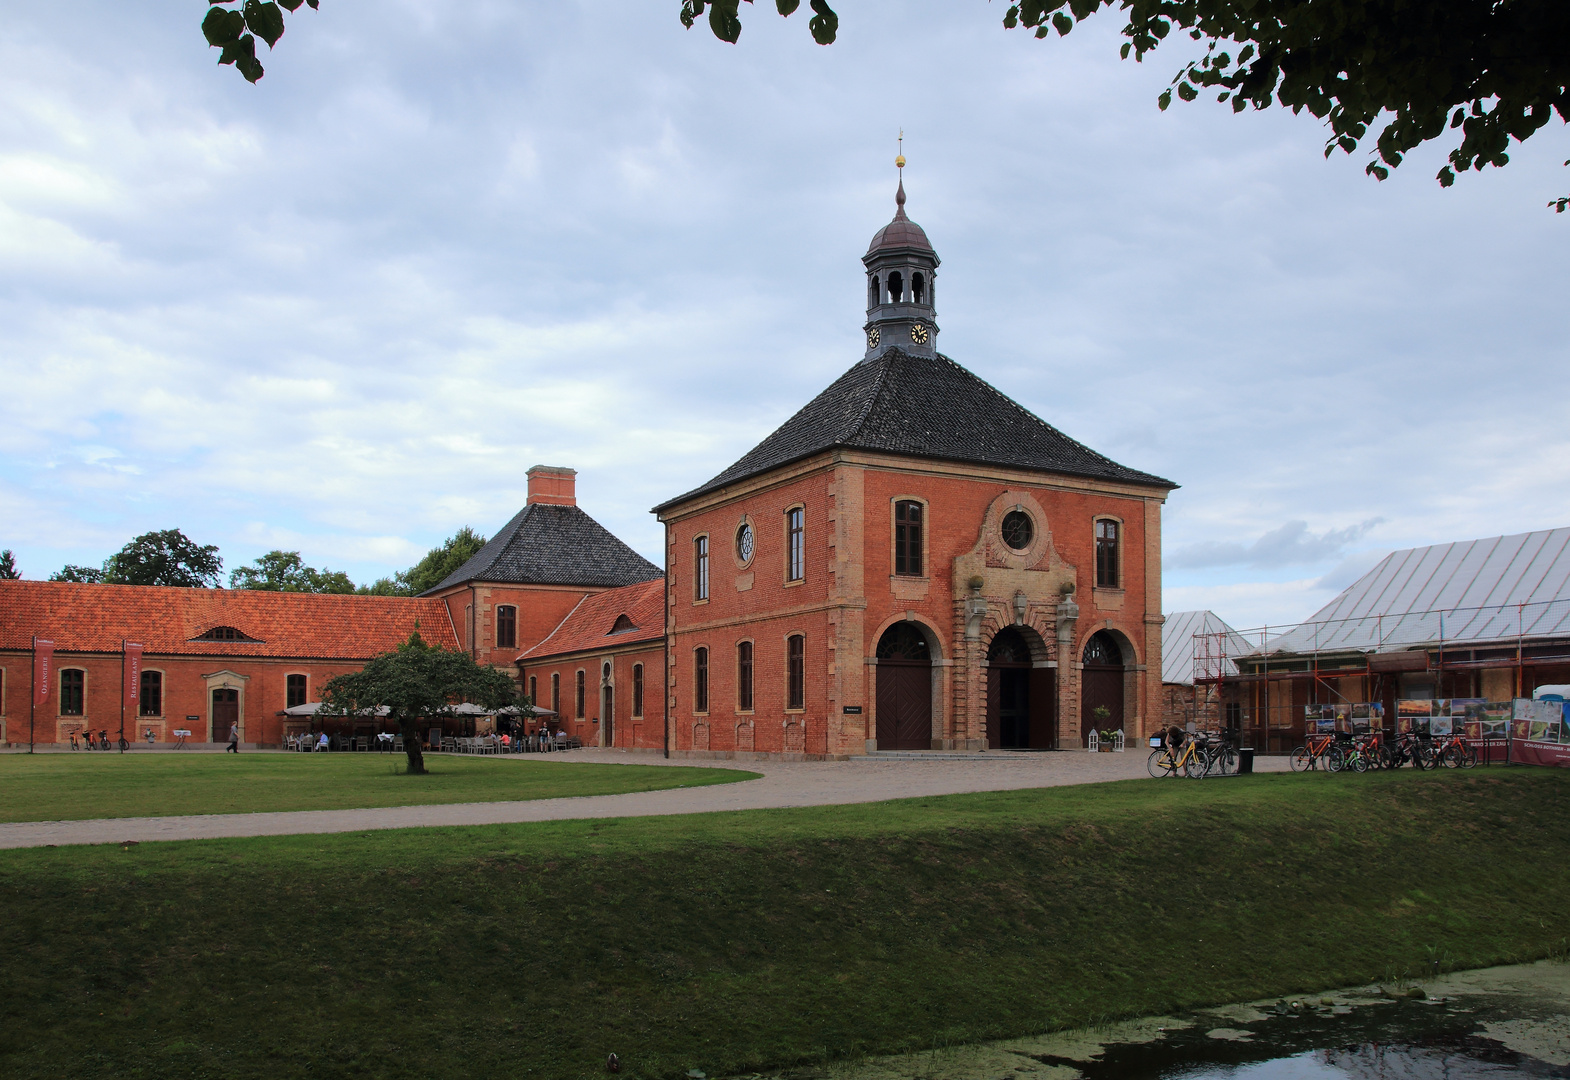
{"x": 131, "y": 673}
{"x": 1539, "y": 734}
{"x": 43, "y": 671}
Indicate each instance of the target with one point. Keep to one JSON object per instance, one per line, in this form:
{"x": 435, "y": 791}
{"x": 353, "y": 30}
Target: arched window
{"x": 637, "y": 689}
{"x": 1008, "y": 647}
{"x": 744, "y": 676}
{"x": 506, "y": 627}
{"x": 225, "y": 633}
{"x": 152, "y": 693}
{"x": 700, "y": 679}
{"x": 534, "y": 690}
{"x": 907, "y": 538}
{"x": 1107, "y": 554}
{"x": 896, "y": 287}
{"x": 295, "y": 690}
{"x": 796, "y": 672}
{"x": 556, "y": 693}
{"x": 700, "y": 568}
{"x": 902, "y": 641}
{"x": 918, "y": 285}
{"x": 1102, "y": 651}
{"x": 578, "y": 695}
{"x": 73, "y": 687}
{"x": 872, "y": 292}
{"x": 795, "y": 536}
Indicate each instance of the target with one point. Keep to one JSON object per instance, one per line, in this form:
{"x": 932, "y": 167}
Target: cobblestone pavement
{"x": 783, "y": 784}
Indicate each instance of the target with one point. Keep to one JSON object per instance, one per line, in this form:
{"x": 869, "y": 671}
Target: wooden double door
{"x": 226, "y": 713}
{"x": 904, "y": 705}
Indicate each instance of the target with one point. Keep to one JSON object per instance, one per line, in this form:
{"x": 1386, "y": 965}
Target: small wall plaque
{"x": 853, "y": 709}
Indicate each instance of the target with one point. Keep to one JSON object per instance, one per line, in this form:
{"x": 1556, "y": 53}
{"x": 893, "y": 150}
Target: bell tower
{"x": 902, "y": 270}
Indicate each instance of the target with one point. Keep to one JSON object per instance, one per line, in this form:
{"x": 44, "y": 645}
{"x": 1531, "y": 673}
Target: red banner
{"x": 131, "y": 670}
{"x": 43, "y": 670}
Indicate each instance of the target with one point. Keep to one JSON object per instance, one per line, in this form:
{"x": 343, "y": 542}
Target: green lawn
{"x": 732, "y": 942}
{"x": 73, "y": 787}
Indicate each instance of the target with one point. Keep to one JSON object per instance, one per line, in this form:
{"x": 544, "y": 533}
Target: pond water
{"x": 1496, "y": 1023}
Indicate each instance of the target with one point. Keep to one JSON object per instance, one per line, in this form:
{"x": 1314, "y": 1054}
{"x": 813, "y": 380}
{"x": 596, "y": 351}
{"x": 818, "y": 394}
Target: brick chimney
{"x": 554, "y": 485}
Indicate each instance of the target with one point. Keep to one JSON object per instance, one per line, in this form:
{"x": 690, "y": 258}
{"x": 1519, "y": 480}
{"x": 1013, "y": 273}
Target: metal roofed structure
{"x": 1185, "y": 638}
{"x": 1500, "y": 589}
{"x": 1485, "y": 619}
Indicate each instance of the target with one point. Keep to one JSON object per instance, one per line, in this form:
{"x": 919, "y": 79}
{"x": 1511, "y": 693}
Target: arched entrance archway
{"x": 904, "y": 689}
{"x": 1021, "y": 698}
{"x": 1101, "y": 685}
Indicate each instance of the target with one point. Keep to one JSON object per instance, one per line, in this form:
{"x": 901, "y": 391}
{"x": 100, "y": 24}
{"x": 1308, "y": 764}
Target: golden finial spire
{"x": 899, "y": 162}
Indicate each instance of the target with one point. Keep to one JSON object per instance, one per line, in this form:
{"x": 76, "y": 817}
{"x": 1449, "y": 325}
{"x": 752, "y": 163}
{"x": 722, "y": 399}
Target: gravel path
{"x": 783, "y": 784}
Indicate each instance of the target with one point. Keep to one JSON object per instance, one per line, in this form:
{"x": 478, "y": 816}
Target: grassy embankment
{"x": 74, "y": 787}
{"x": 732, "y": 941}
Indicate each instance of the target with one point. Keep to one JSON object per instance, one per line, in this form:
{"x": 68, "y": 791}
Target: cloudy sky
{"x": 343, "y": 310}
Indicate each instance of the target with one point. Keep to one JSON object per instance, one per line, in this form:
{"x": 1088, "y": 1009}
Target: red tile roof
{"x": 589, "y": 625}
{"x": 96, "y": 618}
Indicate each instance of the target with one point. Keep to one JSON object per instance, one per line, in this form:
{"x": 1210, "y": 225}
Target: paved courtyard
{"x": 783, "y": 784}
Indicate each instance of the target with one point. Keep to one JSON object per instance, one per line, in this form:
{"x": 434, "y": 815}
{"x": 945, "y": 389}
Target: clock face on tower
{"x": 873, "y": 336}
{"x": 918, "y": 334}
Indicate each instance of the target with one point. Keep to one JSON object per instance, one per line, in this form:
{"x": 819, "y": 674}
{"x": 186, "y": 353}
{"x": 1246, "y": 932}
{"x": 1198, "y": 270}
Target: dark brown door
{"x": 1103, "y": 687}
{"x": 226, "y": 713}
{"x": 904, "y": 705}
{"x": 608, "y": 716}
{"x": 1008, "y": 706}
{"x": 1043, "y": 709}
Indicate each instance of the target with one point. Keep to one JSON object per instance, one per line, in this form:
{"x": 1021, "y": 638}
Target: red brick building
{"x": 912, "y": 562}
{"x": 215, "y": 657}
{"x": 600, "y": 670}
{"x": 211, "y": 657}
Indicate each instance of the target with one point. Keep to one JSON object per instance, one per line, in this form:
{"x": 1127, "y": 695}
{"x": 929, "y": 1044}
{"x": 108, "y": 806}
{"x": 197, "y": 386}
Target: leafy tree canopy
{"x": 285, "y": 571}
{"x": 168, "y": 557}
{"x": 417, "y": 681}
{"x": 8, "y": 570}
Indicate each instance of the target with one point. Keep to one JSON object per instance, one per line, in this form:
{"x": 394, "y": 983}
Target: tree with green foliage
{"x": 285, "y": 571}
{"x": 8, "y": 570}
{"x": 418, "y": 681}
{"x": 168, "y": 557}
{"x": 1494, "y": 70}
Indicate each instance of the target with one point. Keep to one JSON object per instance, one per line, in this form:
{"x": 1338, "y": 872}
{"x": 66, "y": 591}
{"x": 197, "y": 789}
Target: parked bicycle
{"x": 1178, "y": 752}
{"x": 1319, "y": 752}
{"x": 1455, "y": 752}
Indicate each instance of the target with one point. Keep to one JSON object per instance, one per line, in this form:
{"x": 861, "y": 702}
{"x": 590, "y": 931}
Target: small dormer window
{"x": 622, "y": 625}
{"x": 223, "y": 633}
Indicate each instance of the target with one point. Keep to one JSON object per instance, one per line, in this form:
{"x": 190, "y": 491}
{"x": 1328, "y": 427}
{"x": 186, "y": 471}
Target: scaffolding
{"x": 1263, "y": 676}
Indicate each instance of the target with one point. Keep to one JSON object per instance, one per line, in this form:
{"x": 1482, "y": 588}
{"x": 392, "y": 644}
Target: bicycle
{"x": 1455, "y": 752}
{"x": 1220, "y": 755}
{"x": 1166, "y": 759}
{"x": 1320, "y": 749}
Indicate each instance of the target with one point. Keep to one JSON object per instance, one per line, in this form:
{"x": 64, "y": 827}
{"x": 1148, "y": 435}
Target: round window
{"x": 1018, "y": 530}
{"x": 744, "y": 543}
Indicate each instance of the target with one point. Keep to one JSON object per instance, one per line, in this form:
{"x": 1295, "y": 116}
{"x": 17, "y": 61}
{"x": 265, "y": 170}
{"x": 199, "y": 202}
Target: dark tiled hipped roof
{"x": 924, "y": 406}
{"x": 592, "y": 624}
{"x": 171, "y": 622}
{"x": 546, "y": 544}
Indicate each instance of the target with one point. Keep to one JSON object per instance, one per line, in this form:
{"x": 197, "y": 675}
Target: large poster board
{"x": 1349, "y": 716}
{"x": 1538, "y": 733}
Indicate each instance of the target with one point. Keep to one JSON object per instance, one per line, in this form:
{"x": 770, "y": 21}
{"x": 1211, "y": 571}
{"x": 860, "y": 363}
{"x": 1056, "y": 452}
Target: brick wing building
{"x": 912, "y": 562}
{"x": 211, "y": 657}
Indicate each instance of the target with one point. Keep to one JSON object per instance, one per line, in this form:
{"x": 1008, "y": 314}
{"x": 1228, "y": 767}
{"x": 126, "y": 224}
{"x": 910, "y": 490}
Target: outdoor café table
{"x": 180, "y": 735}
{"x": 384, "y": 740}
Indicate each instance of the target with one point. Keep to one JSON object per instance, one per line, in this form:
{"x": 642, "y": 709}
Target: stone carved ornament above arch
{"x": 1039, "y": 554}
